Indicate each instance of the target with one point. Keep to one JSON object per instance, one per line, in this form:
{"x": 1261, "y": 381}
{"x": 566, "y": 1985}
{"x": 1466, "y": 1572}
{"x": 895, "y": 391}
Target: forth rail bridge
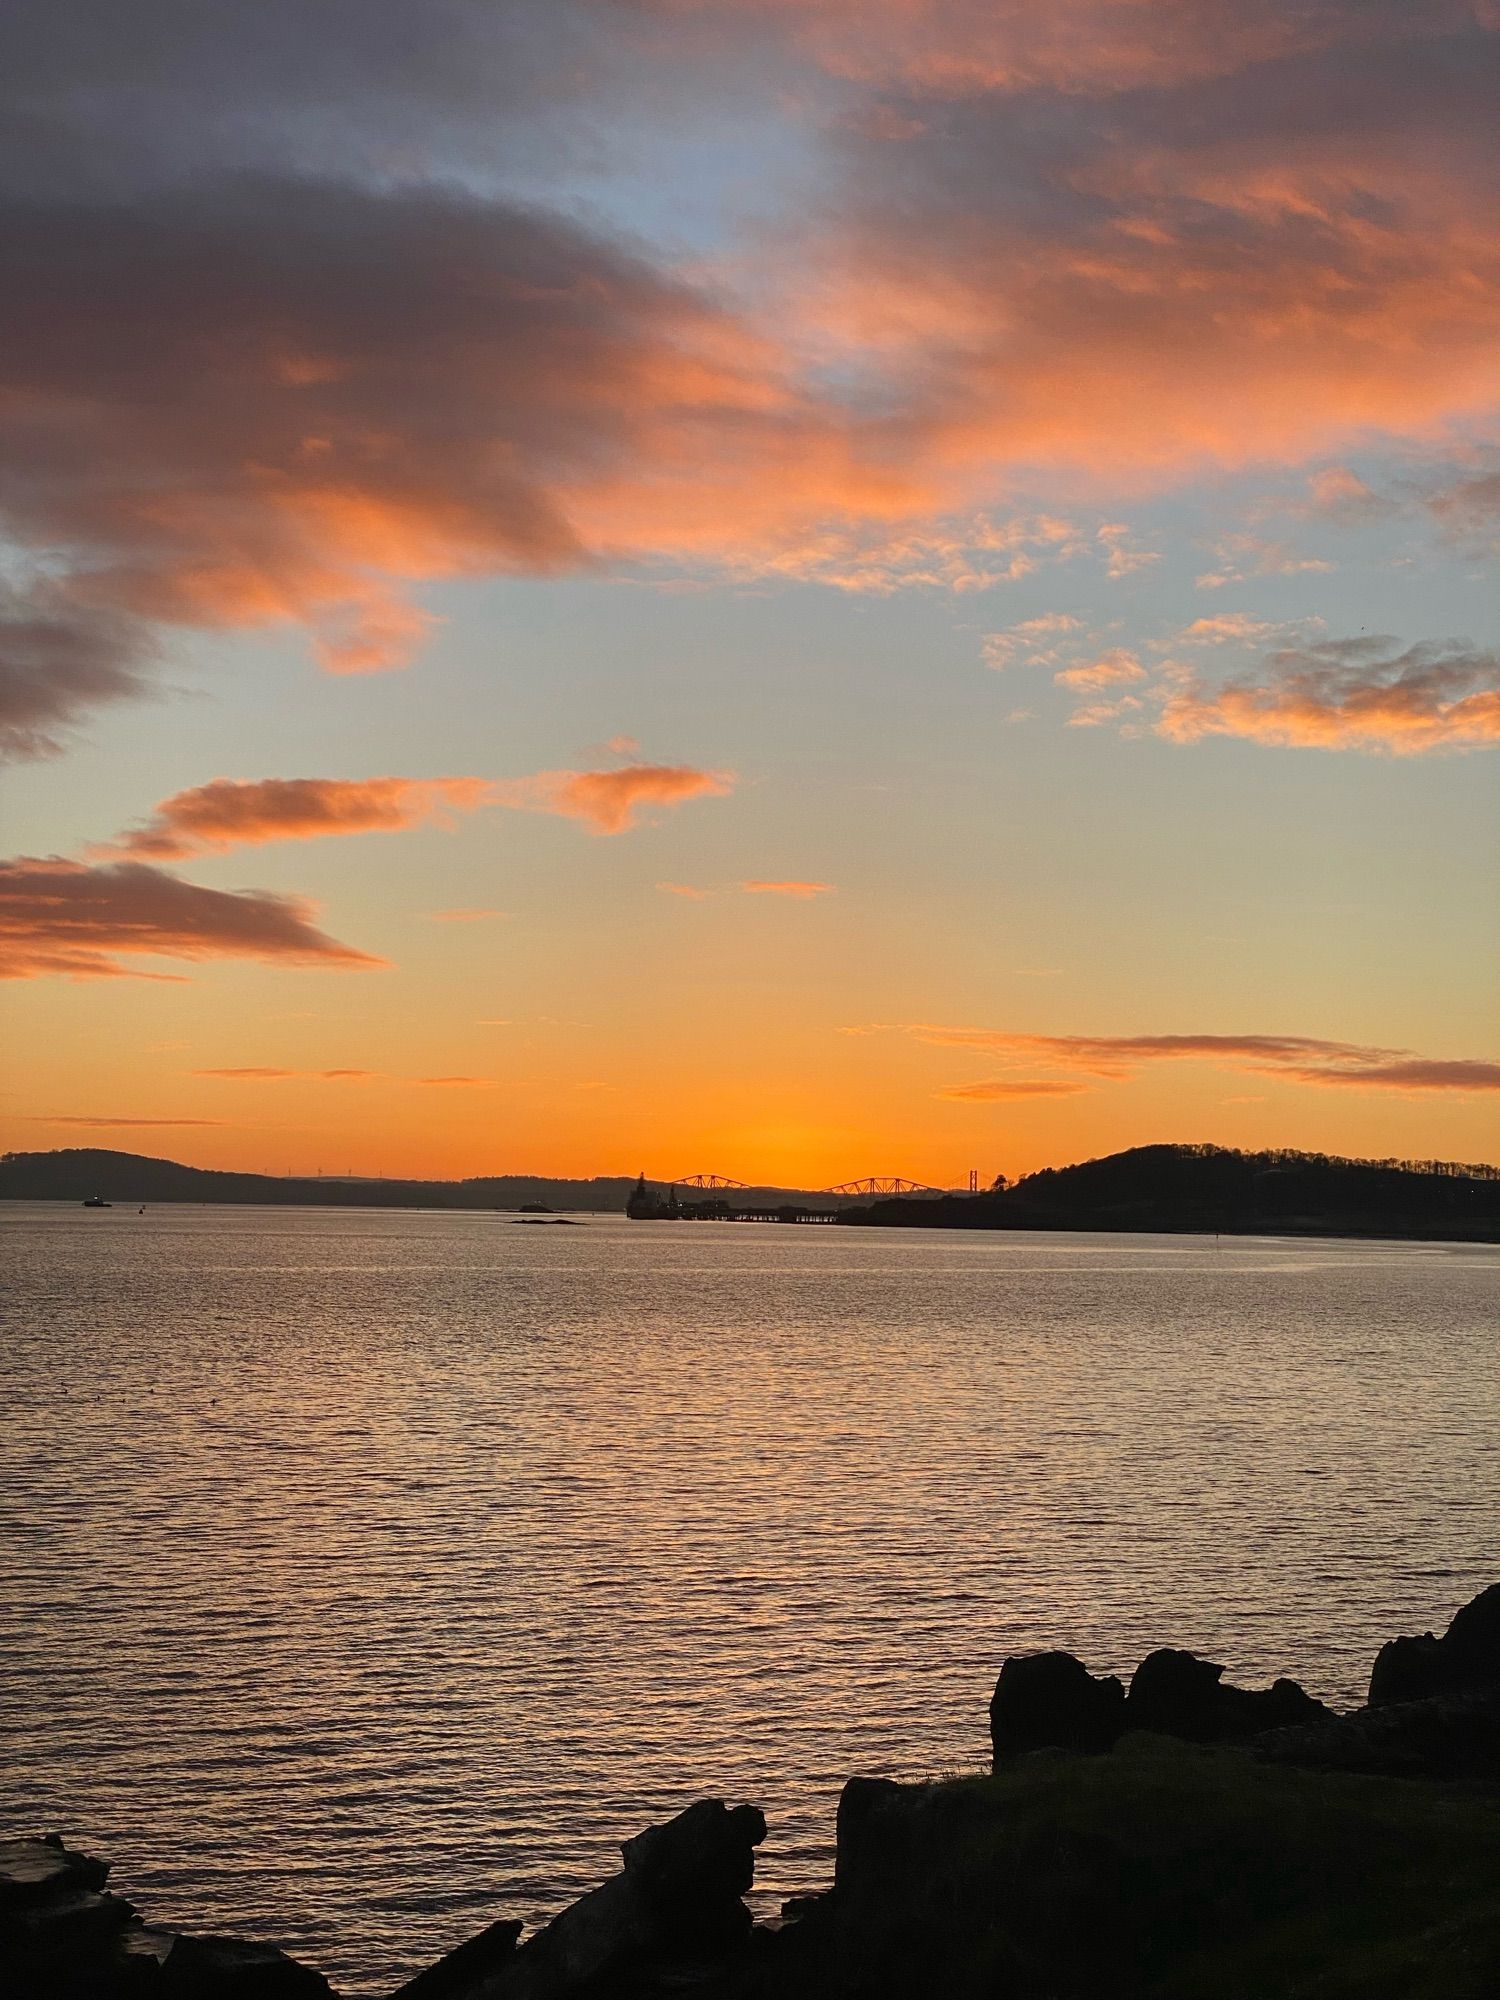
{"x": 710, "y": 1198}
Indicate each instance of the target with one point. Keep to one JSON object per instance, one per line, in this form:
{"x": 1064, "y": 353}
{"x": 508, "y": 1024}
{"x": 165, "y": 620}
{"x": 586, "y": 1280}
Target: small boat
{"x": 97, "y": 1201}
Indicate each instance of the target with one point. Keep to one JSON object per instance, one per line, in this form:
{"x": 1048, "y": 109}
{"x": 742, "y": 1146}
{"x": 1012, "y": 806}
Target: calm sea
{"x": 368, "y": 1576}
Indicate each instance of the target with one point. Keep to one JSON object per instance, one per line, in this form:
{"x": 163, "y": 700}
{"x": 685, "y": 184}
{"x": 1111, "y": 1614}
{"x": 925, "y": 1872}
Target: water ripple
{"x": 364, "y": 1576}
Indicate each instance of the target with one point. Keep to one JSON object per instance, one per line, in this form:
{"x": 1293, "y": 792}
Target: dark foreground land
{"x": 1182, "y": 1840}
{"x": 1198, "y": 1189}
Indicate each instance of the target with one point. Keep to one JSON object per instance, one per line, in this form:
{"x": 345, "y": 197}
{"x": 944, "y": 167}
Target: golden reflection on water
{"x": 371, "y": 1575}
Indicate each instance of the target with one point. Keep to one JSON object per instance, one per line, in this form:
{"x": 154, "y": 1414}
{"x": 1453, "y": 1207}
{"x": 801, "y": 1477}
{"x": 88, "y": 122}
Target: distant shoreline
{"x": 1173, "y": 1190}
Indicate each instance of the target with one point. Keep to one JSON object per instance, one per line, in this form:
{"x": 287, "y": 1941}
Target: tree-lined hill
{"x": 1209, "y": 1188}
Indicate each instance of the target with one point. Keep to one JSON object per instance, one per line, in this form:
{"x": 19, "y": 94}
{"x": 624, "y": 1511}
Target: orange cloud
{"x": 475, "y": 916}
{"x": 230, "y": 812}
{"x": 684, "y": 889}
{"x": 307, "y": 398}
{"x": 1349, "y": 694}
{"x": 1296, "y": 1058}
{"x": 1252, "y": 269}
{"x": 610, "y": 801}
{"x": 460, "y": 1082}
{"x": 804, "y": 891}
{"x": 1116, "y": 668}
{"x": 1213, "y": 232}
{"x": 69, "y": 918}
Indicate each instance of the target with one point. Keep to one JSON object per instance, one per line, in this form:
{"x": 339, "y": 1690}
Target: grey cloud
{"x": 58, "y": 662}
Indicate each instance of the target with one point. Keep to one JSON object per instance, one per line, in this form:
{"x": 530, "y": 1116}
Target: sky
{"x": 788, "y": 588}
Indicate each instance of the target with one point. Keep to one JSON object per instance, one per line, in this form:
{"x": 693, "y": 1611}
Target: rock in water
{"x": 1466, "y": 1658}
{"x": 1051, "y": 1701}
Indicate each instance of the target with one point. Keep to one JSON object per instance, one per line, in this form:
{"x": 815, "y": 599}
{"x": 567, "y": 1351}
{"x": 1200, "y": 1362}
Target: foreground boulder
{"x": 1050, "y": 1701}
{"x": 63, "y": 1936}
{"x": 1167, "y": 1871}
{"x": 1177, "y": 1694}
{"x": 672, "y": 1918}
{"x": 468, "y": 1969}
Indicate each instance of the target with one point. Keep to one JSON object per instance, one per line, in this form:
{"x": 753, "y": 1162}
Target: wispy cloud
{"x": 265, "y": 1073}
{"x": 1122, "y": 556}
{"x": 1032, "y": 643}
{"x": 965, "y": 555}
{"x": 463, "y": 916}
{"x": 77, "y": 920}
{"x": 801, "y": 891}
{"x": 996, "y": 1089}
{"x": 258, "y": 1073}
{"x": 1304, "y": 1059}
{"x": 1245, "y": 556}
{"x": 1116, "y": 668}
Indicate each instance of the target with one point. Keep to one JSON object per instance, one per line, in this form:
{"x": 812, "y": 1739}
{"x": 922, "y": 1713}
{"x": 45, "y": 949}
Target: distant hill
{"x": 1213, "y": 1188}
{"x": 75, "y": 1173}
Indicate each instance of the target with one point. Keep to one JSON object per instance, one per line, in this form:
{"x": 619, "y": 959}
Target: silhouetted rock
{"x": 63, "y": 1936}
{"x": 1453, "y": 1736}
{"x": 1166, "y": 1868}
{"x": 1177, "y": 1694}
{"x": 1051, "y": 1701}
{"x": 468, "y": 1966}
{"x": 672, "y": 1916}
{"x": 1467, "y": 1656}
{"x": 218, "y": 1968}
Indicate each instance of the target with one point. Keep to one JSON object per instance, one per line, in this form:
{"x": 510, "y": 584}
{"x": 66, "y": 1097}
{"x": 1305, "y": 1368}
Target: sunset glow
{"x": 797, "y": 588}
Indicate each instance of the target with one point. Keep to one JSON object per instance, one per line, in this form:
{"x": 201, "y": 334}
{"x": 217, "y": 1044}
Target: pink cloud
{"x": 1350, "y": 694}
{"x": 1294, "y": 1058}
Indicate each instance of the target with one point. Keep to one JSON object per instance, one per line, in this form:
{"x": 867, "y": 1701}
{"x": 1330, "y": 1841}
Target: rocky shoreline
{"x": 1177, "y": 1837}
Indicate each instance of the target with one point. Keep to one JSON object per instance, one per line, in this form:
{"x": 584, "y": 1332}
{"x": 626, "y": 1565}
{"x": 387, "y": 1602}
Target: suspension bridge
{"x": 869, "y": 1185}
